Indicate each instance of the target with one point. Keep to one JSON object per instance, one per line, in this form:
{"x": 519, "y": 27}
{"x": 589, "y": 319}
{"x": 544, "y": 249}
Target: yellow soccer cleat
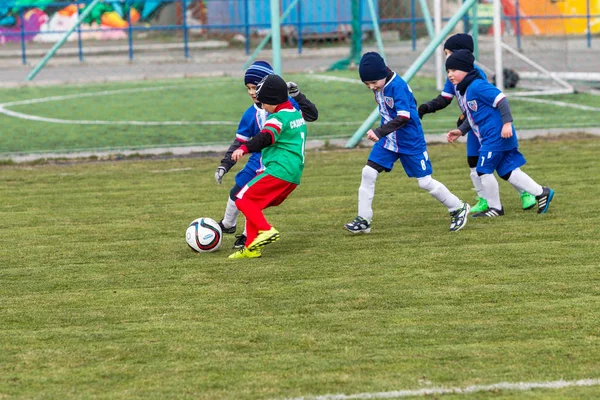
{"x": 264, "y": 238}
{"x": 245, "y": 253}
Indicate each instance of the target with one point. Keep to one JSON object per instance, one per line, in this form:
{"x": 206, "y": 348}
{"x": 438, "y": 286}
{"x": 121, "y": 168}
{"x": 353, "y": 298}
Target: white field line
{"x": 521, "y": 386}
{"x": 90, "y": 94}
{"x": 328, "y": 78}
{"x": 36, "y": 118}
{"x": 166, "y": 171}
{"x": 556, "y": 103}
{"x": 30, "y": 117}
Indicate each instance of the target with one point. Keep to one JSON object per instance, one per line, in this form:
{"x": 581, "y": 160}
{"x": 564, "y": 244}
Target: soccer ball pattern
{"x": 204, "y": 235}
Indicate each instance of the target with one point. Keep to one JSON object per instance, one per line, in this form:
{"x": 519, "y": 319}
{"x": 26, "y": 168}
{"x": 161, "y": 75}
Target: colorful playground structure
{"x": 43, "y": 20}
{"x": 553, "y": 17}
{"x": 47, "y": 20}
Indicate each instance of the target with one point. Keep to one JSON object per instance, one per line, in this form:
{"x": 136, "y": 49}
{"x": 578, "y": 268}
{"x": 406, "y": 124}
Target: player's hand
{"x": 219, "y": 174}
{"x": 506, "y": 130}
{"x": 452, "y": 135}
{"x": 237, "y": 155}
{"x": 293, "y": 89}
{"x": 372, "y": 136}
{"x": 423, "y": 109}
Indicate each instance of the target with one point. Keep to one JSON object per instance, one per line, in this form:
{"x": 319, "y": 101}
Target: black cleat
{"x": 240, "y": 241}
{"x": 229, "y": 231}
{"x": 490, "y": 213}
{"x": 544, "y": 200}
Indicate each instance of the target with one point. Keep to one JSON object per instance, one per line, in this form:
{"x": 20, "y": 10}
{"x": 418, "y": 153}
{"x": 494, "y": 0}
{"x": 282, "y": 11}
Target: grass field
{"x": 202, "y": 111}
{"x": 101, "y": 298}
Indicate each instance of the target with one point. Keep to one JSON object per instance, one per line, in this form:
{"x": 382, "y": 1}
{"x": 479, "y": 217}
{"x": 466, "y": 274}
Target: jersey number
{"x": 303, "y": 145}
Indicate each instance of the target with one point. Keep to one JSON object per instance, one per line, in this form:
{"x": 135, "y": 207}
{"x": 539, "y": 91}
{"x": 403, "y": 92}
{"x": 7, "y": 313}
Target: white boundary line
{"x": 556, "y": 103}
{"x": 328, "y": 78}
{"x": 521, "y": 386}
{"x": 31, "y": 117}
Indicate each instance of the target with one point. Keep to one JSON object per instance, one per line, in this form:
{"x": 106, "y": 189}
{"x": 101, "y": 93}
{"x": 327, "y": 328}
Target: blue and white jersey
{"x": 397, "y": 99}
{"x": 449, "y": 90}
{"x": 251, "y": 123}
{"x": 479, "y": 105}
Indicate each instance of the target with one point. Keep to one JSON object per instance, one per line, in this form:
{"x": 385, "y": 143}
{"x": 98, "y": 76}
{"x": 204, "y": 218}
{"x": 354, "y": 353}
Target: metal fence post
{"x": 413, "y": 25}
{"x": 186, "y": 48}
{"x": 247, "y": 26}
{"x": 518, "y": 24}
{"x": 589, "y": 28}
{"x": 79, "y": 43}
{"x": 129, "y": 30}
{"x": 299, "y": 11}
{"x": 23, "y": 47}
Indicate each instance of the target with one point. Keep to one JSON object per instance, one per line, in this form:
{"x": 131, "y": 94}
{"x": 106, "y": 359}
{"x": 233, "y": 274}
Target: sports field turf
{"x": 101, "y": 298}
{"x": 202, "y": 111}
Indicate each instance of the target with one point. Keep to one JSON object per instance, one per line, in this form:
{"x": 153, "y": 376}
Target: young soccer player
{"x": 400, "y": 137}
{"x": 488, "y": 115}
{"x": 462, "y": 41}
{"x": 251, "y": 123}
{"x": 282, "y": 143}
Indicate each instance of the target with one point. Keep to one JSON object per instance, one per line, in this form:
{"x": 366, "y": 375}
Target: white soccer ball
{"x": 204, "y": 235}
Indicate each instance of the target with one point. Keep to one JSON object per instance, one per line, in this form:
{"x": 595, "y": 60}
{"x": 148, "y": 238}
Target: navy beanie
{"x": 372, "y": 67}
{"x": 459, "y": 41}
{"x": 257, "y": 71}
{"x": 272, "y": 90}
{"x": 461, "y": 60}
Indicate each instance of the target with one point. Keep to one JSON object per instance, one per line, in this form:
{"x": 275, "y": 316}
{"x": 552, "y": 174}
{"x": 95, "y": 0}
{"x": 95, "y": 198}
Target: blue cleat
{"x": 544, "y": 200}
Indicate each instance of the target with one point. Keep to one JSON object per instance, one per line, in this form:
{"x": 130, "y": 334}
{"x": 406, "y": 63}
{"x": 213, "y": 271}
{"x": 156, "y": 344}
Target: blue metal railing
{"x": 249, "y": 16}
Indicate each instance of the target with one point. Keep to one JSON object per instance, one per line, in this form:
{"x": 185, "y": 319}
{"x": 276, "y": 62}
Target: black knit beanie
{"x": 272, "y": 90}
{"x": 461, "y": 60}
{"x": 372, "y": 67}
{"x": 459, "y": 41}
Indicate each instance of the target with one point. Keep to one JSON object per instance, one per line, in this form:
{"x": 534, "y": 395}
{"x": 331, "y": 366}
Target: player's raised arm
{"x": 308, "y": 109}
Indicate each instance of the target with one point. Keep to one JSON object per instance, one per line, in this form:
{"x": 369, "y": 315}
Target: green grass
{"x": 342, "y": 105}
{"x": 101, "y": 298}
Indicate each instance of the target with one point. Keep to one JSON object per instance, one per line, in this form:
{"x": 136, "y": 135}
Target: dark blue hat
{"x": 461, "y": 60}
{"x": 372, "y": 67}
{"x": 459, "y": 41}
{"x": 257, "y": 71}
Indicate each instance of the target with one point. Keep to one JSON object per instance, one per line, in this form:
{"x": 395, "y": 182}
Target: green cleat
{"x": 481, "y": 205}
{"x": 264, "y": 238}
{"x": 245, "y": 253}
{"x": 528, "y": 200}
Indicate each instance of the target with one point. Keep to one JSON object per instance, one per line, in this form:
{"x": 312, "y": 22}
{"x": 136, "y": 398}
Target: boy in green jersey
{"x": 282, "y": 142}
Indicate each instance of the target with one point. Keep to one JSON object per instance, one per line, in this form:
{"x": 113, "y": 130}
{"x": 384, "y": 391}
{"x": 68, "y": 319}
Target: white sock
{"x": 520, "y": 191}
{"x": 440, "y": 192}
{"x": 366, "y": 192}
{"x": 476, "y": 181}
{"x": 231, "y": 213}
{"x": 522, "y": 181}
{"x": 491, "y": 191}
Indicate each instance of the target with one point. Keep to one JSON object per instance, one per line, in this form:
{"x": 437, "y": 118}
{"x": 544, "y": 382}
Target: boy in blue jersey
{"x": 250, "y": 125}
{"x": 488, "y": 114}
{"x": 462, "y": 41}
{"x": 400, "y": 137}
